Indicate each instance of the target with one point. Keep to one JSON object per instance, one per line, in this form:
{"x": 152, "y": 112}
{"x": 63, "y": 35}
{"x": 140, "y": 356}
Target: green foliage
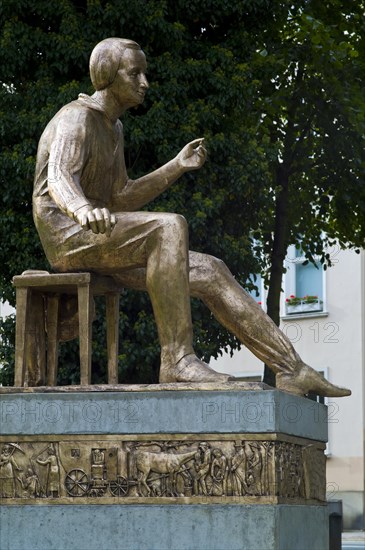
{"x": 310, "y": 77}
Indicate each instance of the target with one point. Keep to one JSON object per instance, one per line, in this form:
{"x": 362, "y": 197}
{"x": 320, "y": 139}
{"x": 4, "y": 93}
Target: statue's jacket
{"x": 80, "y": 161}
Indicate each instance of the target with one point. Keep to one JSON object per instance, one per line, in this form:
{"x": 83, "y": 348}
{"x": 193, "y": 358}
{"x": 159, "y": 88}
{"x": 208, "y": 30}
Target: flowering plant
{"x": 295, "y": 300}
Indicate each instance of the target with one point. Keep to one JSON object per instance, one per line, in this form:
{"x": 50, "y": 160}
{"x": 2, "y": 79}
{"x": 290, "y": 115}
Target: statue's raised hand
{"x": 193, "y": 155}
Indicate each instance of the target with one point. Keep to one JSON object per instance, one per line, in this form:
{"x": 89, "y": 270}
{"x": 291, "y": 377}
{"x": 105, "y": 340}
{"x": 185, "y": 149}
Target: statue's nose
{"x": 144, "y": 82}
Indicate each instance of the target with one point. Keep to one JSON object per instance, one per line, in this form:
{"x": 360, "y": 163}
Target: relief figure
{"x": 239, "y": 471}
{"x": 8, "y": 470}
{"x": 53, "y": 473}
{"x": 218, "y": 473}
{"x": 202, "y": 468}
{"x": 30, "y": 484}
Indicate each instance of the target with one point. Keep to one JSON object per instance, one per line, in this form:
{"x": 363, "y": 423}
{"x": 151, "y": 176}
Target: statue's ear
{"x": 104, "y": 65}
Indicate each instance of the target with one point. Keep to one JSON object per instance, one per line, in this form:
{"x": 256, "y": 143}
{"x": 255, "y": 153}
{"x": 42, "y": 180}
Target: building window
{"x": 259, "y": 294}
{"x": 304, "y": 284}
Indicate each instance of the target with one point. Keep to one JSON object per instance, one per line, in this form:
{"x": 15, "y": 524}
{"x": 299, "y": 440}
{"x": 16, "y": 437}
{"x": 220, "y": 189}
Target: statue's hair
{"x": 105, "y": 60}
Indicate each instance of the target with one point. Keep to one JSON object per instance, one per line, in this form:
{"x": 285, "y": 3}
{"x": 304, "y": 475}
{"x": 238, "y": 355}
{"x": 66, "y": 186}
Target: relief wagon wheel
{"x": 120, "y": 487}
{"x": 77, "y": 483}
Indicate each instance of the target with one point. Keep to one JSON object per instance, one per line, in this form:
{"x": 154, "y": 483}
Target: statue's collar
{"x": 92, "y": 104}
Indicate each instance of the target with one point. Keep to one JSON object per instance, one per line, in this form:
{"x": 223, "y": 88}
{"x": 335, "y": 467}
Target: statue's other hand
{"x": 99, "y": 220}
{"x": 193, "y": 155}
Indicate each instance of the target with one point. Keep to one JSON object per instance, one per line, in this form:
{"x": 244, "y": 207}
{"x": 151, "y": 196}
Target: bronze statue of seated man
{"x": 87, "y": 213}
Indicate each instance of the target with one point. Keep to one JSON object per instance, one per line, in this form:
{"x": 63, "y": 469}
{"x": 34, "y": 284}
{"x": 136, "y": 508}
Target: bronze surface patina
{"x": 86, "y": 211}
{"x": 173, "y": 468}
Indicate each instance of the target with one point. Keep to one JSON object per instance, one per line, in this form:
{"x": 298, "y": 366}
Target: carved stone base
{"x": 242, "y": 463}
{"x": 181, "y": 468}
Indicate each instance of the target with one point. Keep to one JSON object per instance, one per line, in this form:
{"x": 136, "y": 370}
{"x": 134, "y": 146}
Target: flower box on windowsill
{"x": 304, "y": 307}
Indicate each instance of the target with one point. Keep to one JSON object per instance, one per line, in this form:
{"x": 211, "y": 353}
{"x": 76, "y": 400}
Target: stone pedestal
{"x": 240, "y": 466}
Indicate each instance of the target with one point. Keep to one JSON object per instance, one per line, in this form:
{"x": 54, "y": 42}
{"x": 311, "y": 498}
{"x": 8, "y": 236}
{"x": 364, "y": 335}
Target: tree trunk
{"x": 278, "y": 254}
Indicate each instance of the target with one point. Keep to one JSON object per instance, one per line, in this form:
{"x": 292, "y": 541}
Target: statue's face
{"x": 130, "y": 84}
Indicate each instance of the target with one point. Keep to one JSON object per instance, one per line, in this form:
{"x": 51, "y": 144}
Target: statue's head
{"x": 106, "y": 59}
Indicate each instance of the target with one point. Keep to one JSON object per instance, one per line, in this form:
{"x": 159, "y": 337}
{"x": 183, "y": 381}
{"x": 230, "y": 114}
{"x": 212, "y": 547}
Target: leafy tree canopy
{"x": 310, "y": 95}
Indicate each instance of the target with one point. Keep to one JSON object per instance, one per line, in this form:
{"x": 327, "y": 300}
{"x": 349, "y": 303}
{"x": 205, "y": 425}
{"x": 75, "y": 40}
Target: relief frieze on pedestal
{"x": 173, "y": 468}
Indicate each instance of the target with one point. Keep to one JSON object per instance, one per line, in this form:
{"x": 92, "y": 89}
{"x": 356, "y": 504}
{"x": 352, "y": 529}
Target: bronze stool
{"x": 48, "y": 288}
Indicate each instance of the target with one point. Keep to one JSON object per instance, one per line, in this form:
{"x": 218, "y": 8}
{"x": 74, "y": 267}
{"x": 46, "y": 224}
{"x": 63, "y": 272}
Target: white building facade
{"x": 329, "y": 335}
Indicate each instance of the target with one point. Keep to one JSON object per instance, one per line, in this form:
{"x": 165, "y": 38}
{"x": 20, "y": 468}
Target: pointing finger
{"x": 193, "y": 145}
{"x": 196, "y": 142}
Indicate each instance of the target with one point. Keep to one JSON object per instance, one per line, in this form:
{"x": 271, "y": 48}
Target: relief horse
{"x": 160, "y": 463}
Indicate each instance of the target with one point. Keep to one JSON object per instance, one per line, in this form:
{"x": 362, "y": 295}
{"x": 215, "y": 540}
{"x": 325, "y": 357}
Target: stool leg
{"x": 22, "y": 303}
{"x": 52, "y": 339}
{"x": 35, "y": 346}
{"x": 85, "y": 332}
{"x": 112, "y": 335}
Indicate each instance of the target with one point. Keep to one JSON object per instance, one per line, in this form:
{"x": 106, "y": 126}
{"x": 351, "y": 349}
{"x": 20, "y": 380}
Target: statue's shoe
{"x": 191, "y": 369}
{"x": 307, "y": 380}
